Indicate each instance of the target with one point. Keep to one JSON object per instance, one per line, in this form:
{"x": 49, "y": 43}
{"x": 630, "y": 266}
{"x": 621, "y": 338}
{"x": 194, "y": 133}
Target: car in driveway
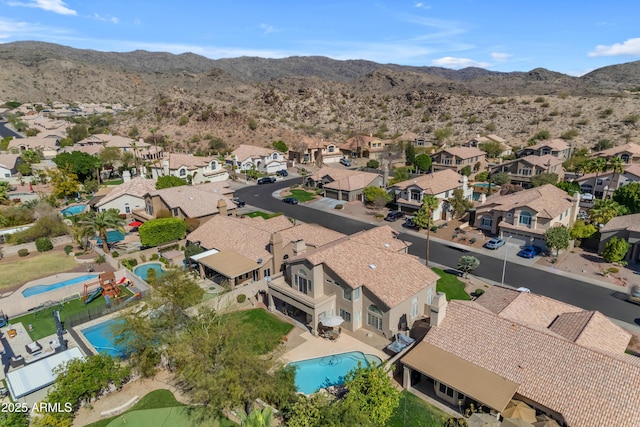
{"x": 239, "y": 203}
{"x": 266, "y": 180}
{"x": 290, "y": 200}
{"x": 529, "y": 252}
{"x": 408, "y": 223}
{"x": 494, "y": 243}
{"x": 345, "y": 161}
{"x": 393, "y": 216}
{"x": 282, "y": 172}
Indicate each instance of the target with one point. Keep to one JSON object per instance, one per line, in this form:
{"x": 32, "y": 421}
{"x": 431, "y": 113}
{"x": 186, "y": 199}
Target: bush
{"x": 129, "y": 263}
{"x": 154, "y": 257}
{"x": 472, "y": 240}
{"x": 101, "y": 259}
{"x": 478, "y": 292}
{"x": 68, "y": 249}
{"x": 47, "y": 226}
{"x": 23, "y": 252}
{"x": 241, "y": 298}
{"x": 434, "y": 229}
{"x": 339, "y": 206}
{"x": 43, "y": 244}
{"x": 613, "y": 270}
{"x": 143, "y": 258}
{"x": 159, "y": 231}
{"x": 115, "y": 254}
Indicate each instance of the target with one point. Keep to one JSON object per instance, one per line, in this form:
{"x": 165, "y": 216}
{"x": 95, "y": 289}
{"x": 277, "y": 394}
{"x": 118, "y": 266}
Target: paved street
{"x": 540, "y": 280}
{"x": 5, "y": 131}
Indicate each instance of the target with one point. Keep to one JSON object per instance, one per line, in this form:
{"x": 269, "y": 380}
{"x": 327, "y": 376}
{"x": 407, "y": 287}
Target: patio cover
{"x": 229, "y": 263}
{"x": 38, "y": 375}
{"x": 472, "y": 380}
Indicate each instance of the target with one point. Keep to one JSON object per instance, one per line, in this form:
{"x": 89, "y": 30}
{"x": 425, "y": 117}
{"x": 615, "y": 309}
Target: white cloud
{"x": 20, "y": 30}
{"x": 56, "y": 6}
{"x": 107, "y": 18}
{"x": 268, "y": 29}
{"x": 451, "y": 62}
{"x": 421, "y": 5}
{"x": 500, "y": 57}
{"x": 628, "y": 47}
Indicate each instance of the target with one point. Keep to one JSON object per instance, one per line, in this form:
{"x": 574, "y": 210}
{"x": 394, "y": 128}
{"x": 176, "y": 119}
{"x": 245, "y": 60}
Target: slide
{"x": 122, "y": 280}
{"x": 95, "y": 294}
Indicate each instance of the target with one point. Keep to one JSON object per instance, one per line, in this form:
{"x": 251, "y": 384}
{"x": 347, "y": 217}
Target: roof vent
{"x": 191, "y": 198}
{"x": 372, "y": 266}
{"x": 259, "y": 260}
{"x": 386, "y": 245}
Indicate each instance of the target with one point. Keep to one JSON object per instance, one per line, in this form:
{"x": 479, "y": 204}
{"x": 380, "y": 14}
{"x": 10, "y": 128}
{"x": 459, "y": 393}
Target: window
{"x": 625, "y": 158}
{"x": 267, "y": 272}
{"x": 374, "y": 317}
{"x": 429, "y": 296}
{"x": 346, "y": 294}
{"x": 345, "y": 315}
{"x": 525, "y": 218}
{"x": 356, "y": 294}
{"x": 213, "y": 165}
{"x": 415, "y": 195}
{"x": 599, "y": 182}
{"x": 487, "y": 221}
{"x": 183, "y": 172}
{"x": 127, "y": 208}
{"x": 458, "y": 161}
{"x": 303, "y": 285}
{"x": 561, "y": 216}
{"x": 414, "y": 307}
{"x": 446, "y": 390}
{"x": 524, "y": 171}
{"x": 331, "y": 148}
{"x": 175, "y": 211}
{"x": 446, "y": 161}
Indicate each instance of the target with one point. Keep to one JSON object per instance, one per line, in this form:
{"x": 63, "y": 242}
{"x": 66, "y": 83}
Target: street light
{"x": 504, "y": 263}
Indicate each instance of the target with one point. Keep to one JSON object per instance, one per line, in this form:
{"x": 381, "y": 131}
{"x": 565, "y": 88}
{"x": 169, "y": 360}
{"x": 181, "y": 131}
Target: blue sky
{"x": 567, "y": 36}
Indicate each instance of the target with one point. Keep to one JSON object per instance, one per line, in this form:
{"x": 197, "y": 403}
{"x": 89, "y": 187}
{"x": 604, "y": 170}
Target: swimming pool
{"x": 73, "y": 210}
{"x": 40, "y": 289}
{"x": 143, "y": 270}
{"x": 112, "y": 236}
{"x": 314, "y": 374}
{"x": 102, "y": 339}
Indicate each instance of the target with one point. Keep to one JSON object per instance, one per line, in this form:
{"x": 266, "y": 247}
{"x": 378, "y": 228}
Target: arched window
{"x": 183, "y": 172}
{"x": 213, "y": 165}
{"x": 525, "y": 218}
{"x": 625, "y": 158}
{"x": 487, "y": 221}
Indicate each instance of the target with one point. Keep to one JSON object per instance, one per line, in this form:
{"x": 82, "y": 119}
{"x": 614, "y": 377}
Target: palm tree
{"x": 595, "y": 165}
{"x": 617, "y": 166}
{"x": 258, "y": 418}
{"x": 604, "y": 210}
{"x": 423, "y": 218}
{"x": 101, "y": 222}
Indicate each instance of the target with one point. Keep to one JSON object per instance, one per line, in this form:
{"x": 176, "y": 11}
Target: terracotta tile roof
{"x": 361, "y": 141}
{"x": 624, "y": 222}
{"x": 344, "y": 179}
{"x": 547, "y": 200}
{"x": 122, "y": 142}
{"x": 136, "y": 187}
{"x": 391, "y": 276}
{"x": 589, "y": 388}
{"x": 555, "y": 143}
{"x": 178, "y": 160}
{"x": 317, "y": 143}
{"x": 633, "y": 169}
{"x": 244, "y": 152}
{"x": 464, "y": 152}
{"x": 548, "y": 160}
{"x": 434, "y": 183}
{"x": 497, "y": 298}
{"x": 382, "y": 237}
{"x": 631, "y": 147}
{"x": 194, "y": 200}
{"x": 312, "y": 234}
{"x": 276, "y": 223}
{"x": 34, "y": 142}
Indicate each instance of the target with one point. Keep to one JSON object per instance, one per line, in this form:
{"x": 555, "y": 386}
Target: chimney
{"x": 222, "y": 207}
{"x": 299, "y": 247}
{"x": 126, "y": 176}
{"x": 438, "y": 309}
{"x": 165, "y": 167}
{"x": 277, "y": 251}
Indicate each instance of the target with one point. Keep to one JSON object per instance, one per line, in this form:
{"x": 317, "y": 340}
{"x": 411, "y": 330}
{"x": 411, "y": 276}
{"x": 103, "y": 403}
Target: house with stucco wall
{"x": 265, "y": 160}
{"x": 342, "y": 184}
{"x": 193, "y": 169}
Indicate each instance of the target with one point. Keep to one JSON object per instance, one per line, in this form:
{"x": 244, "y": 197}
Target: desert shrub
{"x": 101, "y": 259}
{"x": 115, "y": 254}
{"x": 163, "y": 230}
{"x": 143, "y": 258}
{"x": 47, "y": 226}
{"x": 241, "y": 298}
{"x": 478, "y": 292}
{"x": 434, "y": 229}
{"x": 43, "y": 244}
{"x": 68, "y": 249}
{"x": 472, "y": 240}
{"x": 23, "y": 252}
{"x": 339, "y": 206}
{"x": 613, "y": 270}
{"x": 129, "y": 263}
{"x": 154, "y": 257}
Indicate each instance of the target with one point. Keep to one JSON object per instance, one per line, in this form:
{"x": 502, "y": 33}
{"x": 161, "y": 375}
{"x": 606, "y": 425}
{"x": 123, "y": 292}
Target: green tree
{"x": 77, "y": 133}
{"x": 467, "y": 264}
{"x": 424, "y": 218}
{"x": 596, "y": 166}
{"x": 499, "y": 178}
{"x": 544, "y": 178}
{"x": 91, "y": 186}
{"x": 570, "y": 187}
{"x": 582, "y": 230}
{"x": 602, "y": 144}
{"x": 179, "y": 289}
{"x": 459, "y": 203}
{"x": 82, "y": 164}
{"x": 482, "y": 176}
{"x": 492, "y": 148}
{"x": 399, "y": 175}
{"x": 557, "y": 238}
{"x": 144, "y": 336}
{"x": 372, "y": 392}
{"x": 280, "y": 146}
{"x": 409, "y": 153}
{"x": 4, "y": 189}
{"x": 14, "y": 419}
{"x": 162, "y": 230}
{"x": 466, "y": 171}
{"x": 615, "y": 249}
{"x": 629, "y": 197}
{"x": 258, "y": 418}
{"x": 376, "y": 196}
{"x": 423, "y": 162}
{"x": 169, "y": 181}
{"x": 373, "y": 164}
{"x": 617, "y": 166}
{"x": 65, "y": 182}
{"x": 110, "y": 156}
{"x": 101, "y": 222}
{"x": 604, "y": 210}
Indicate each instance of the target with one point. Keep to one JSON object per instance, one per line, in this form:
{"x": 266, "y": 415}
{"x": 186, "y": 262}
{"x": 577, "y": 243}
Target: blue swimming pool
{"x": 73, "y": 210}
{"x": 143, "y": 270}
{"x": 102, "y": 339}
{"x": 112, "y": 236}
{"x": 39, "y": 289}
{"x": 314, "y": 374}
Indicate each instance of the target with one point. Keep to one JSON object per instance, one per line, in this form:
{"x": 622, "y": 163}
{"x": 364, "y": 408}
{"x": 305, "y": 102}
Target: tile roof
{"x": 391, "y": 276}
{"x": 624, "y": 222}
{"x": 356, "y": 141}
{"x": 464, "y": 152}
{"x": 178, "y": 160}
{"x": 545, "y": 161}
{"x": 555, "y": 143}
{"x": 317, "y": 143}
{"x": 34, "y": 142}
{"x": 590, "y": 388}
{"x": 136, "y": 187}
{"x": 244, "y": 152}
{"x": 435, "y": 182}
{"x": 312, "y": 234}
{"x": 547, "y": 200}
{"x": 381, "y": 237}
{"x": 344, "y": 179}
{"x": 8, "y": 160}
{"x": 631, "y": 147}
{"x": 194, "y": 200}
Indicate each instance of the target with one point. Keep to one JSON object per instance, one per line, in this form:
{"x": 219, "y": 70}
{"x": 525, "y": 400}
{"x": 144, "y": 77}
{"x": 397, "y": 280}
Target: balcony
{"x": 280, "y": 288}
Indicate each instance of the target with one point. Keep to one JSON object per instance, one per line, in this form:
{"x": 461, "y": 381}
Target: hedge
{"x": 43, "y": 244}
{"x": 163, "y": 230}
{"x": 23, "y": 252}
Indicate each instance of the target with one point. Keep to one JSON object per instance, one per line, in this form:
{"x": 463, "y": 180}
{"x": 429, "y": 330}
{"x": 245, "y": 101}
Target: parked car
{"x": 529, "y": 251}
{"x": 494, "y": 243}
{"x": 345, "y": 161}
{"x": 394, "y": 216}
{"x": 290, "y": 200}
{"x": 523, "y": 289}
{"x": 282, "y": 172}
{"x": 634, "y": 294}
{"x": 266, "y": 180}
{"x": 239, "y": 203}
{"x": 408, "y": 223}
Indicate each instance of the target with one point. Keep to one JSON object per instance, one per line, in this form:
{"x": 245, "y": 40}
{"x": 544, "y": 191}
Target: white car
{"x": 523, "y": 289}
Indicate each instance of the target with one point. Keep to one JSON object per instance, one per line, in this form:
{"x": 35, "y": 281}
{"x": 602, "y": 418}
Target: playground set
{"x": 106, "y": 285}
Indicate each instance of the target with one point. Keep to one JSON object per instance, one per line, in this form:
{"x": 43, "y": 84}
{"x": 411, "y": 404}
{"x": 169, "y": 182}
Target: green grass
{"x": 450, "y": 285}
{"x": 414, "y": 411}
{"x": 113, "y": 182}
{"x": 261, "y": 330}
{"x": 262, "y": 214}
{"x": 22, "y": 270}
{"x": 302, "y": 195}
{"x": 43, "y": 323}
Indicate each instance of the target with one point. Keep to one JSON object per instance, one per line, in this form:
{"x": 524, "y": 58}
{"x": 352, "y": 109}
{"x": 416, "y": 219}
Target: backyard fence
{"x": 98, "y": 312}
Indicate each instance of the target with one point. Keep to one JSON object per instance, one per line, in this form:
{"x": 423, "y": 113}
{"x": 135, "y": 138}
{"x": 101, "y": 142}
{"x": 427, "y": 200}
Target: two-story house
{"x": 315, "y": 151}
{"x": 555, "y": 147}
{"x": 456, "y": 158}
{"x": 629, "y": 153}
{"x": 477, "y": 142}
{"x": 365, "y": 146}
{"x": 603, "y": 184}
{"x": 194, "y": 169}
{"x": 266, "y": 160}
{"x": 523, "y": 169}
{"x": 408, "y": 194}
{"x": 368, "y": 279}
{"x": 126, "y": 197}
{"x": 48, "y": 145}
{"x": 343, "y": 184}
{"x": 526, "y": 215}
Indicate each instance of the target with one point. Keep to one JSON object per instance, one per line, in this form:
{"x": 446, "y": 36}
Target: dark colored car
{"x": 394, "y": 216}
{"x": 408, "y": 223}
{"x": 266, "y": 180}
{"x": 529, "y": 251}
{"x": 345, "y": 162}
{"x": 239, "y": 203}
{"x": 494, "y": 243}
{"x": 282, "y": 172}
{"x": 290, "y": 200}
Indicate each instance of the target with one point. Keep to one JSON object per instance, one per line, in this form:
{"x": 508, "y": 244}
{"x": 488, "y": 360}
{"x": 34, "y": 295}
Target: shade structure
{"x": 545, "y": 421}
{"x": 520, "y": 410}
{"x": 483, "y": 420}
{"x": 135, "y": 224}
{"x": 332, "y": 321}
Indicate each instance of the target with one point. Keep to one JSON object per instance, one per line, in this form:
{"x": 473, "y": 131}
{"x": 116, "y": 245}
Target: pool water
{"x": 143, "y": 270}
{"x": 40, "y": 289}
{"x": 321, "y": 372}
{"x": 112, "y": 236}
{"x": 102, "y": 339}
{"x": 73, "y": 210}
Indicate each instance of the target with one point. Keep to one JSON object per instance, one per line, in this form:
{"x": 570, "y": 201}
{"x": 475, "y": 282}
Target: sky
{"x": 571, "y": 37}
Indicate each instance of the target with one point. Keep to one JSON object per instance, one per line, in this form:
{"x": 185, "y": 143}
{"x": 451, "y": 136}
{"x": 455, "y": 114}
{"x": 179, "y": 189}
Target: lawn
{"x": 302, "y": 195}
{"x": 261, "y": 330}
{"x": 450, "y": 285}
{"x": 414, "y": 411}
{"x": 43, "y": 323}
{"x": 262, "y": 214}
{"x": 113, "y": 182}
{"x": 31, "y": 267}
{"x": 158, "y": 408}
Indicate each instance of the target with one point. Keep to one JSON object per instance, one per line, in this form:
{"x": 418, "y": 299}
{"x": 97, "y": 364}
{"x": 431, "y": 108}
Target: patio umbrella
{"x": 135, "y": 224}
{"x": 483, "y": 420}
{"x": 515, "y": 422}
{"x": 519, "y": 409}
{"x": 332, "y": 321}
{"x": 545, "y": 421}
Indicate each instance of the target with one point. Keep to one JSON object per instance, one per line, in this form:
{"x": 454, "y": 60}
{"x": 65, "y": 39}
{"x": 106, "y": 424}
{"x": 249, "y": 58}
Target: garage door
{"x": 516, "y": 238}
